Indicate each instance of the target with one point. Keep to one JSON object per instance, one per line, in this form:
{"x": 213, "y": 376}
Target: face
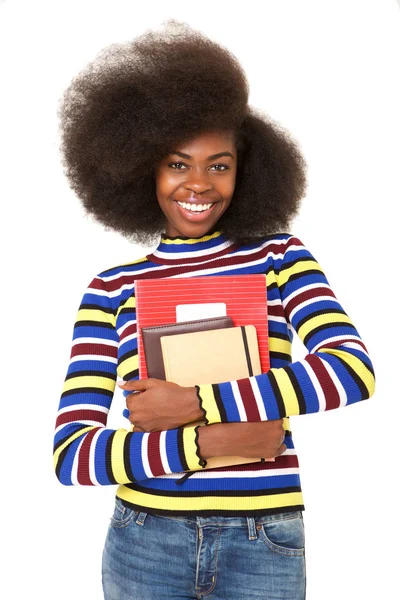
{"x": 198, "y": 174}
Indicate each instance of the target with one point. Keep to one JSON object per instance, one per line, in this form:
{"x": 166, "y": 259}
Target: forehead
{"x": 206, "y": 144}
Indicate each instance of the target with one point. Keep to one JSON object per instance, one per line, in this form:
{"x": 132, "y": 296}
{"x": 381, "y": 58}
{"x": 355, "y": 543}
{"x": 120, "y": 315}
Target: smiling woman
{"x": 194, "y": 197}
{"x": 160, "y": 144}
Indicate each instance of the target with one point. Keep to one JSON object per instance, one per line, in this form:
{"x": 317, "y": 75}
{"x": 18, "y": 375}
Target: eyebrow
{"x": 212, "y": 157}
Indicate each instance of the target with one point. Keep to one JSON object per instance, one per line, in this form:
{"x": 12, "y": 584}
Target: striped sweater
{"x": 337, "y": 371}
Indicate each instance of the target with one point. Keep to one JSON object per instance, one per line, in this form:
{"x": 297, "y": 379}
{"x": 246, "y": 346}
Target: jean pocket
{"x": 122, "y": 515}
{"x": 285, "y": 535}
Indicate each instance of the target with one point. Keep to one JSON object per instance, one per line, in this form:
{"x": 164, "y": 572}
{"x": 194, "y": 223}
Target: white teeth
{"x": 195, "y": 207}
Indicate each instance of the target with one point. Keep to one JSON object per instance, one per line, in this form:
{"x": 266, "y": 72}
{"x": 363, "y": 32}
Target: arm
{"x": 337, "y": 370}
{"x": 85, "y": 451}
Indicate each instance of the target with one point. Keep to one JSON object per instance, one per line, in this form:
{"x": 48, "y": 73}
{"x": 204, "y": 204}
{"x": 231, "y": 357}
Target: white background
{"x": 328, "y": 72}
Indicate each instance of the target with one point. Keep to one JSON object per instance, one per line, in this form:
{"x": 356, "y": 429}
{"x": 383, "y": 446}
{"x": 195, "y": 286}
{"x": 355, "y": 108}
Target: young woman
{"x": 160, "y": 144}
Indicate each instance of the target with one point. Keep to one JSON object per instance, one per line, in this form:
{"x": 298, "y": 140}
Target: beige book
{"x": 213, "y": 356}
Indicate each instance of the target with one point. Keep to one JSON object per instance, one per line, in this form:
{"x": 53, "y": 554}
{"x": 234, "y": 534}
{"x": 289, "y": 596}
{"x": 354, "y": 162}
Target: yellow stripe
{"x": 189, "y": 448}
{"x": 214, "y": 502}
{"x": 71, "y": 438}
{"x": 130, "y": 303}
{"x": 128, "y": 365}
{"x": 288, "y": 393}
{"x": 95, "y": 314}
{"x": 270, "y": 278}
{"x": 75, "y": 383}
{"x": 302, "y": 266}
{"x": 209, "y": 404}
{"x": 205, "y": 238}
{"x": 356, "y": 364}
{"x": 117, "y": 456}
{"x": 315, "y": 322}
{"x": 279, "y": 345}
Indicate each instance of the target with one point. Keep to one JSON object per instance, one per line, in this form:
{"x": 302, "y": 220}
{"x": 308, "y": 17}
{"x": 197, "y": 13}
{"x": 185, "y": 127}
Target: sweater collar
{"x": 186, "y": 250}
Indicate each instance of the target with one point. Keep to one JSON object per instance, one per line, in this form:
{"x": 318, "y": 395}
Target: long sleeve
{"x": 86, "y": 452}
{"x": 337, "y": 370}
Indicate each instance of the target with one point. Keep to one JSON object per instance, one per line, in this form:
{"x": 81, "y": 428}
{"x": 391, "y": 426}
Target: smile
{"x": 193, "y": 211}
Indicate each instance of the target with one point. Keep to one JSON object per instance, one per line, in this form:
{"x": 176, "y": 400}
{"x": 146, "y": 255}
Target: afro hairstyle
{"x": 135, "y": 101}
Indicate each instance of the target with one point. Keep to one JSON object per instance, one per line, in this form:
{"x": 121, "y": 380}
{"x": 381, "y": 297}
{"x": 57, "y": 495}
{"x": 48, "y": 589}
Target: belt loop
{"x": 252, "y": 528}
{"x": 141, "y": 518}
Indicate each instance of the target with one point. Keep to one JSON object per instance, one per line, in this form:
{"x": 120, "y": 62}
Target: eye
{"x": 225, "y": 167}
{"x": 175, "y": 163}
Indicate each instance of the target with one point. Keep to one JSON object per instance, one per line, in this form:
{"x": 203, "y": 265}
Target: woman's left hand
{"x": 161, "y": 405}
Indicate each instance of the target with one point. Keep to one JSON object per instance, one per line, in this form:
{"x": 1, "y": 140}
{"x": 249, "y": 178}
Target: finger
{"x": 134, "y": 384}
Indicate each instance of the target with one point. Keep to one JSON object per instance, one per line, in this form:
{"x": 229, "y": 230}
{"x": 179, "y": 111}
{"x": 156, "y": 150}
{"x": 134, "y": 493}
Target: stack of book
{"x": 227, "y": 341}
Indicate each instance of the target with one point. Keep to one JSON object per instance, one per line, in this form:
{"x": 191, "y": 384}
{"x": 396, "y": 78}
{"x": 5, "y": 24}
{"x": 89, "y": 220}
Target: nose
{"x": 198, "y": 182}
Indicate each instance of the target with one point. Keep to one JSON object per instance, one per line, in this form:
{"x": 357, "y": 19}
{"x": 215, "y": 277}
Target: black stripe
{"x": 281, "y": 356}
{"x": 181, "y": 453}
{"x": 272, "y": 286}
{"x": 229, "y": 493}
{"x": 70, "y": 433}
{"x": 278, "y": 395}
{"x": 132, "y": 375}
{"x": 279, "y": 336}
{"x": 246, "y": 350}
{"x": 334, "y": 324}
{"x": 87, "y": 390}
{"x": 219, "y": 403}
{"x": 361, "y": 385}
{"x": 127, "y": 310}
{"x": 89, "y": 373}
{"x": 295, "y": 261}
{"x": 110, "y": 474}
{"x": 127, "y": 355}
{"x": 93, "y": 324}
{"x": 316, "y": 313}
{"x": 299, "y": 276}
{"x": 97, "y": 307}
{"x": 60, "y": 461}
{"x": 127, "y": 455}
{"x": 220, "y": 513}
{"x": 299, "y": 394}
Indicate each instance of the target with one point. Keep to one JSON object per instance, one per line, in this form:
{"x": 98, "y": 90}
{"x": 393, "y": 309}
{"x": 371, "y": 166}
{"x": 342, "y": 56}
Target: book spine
{"x": 246, "y": 350}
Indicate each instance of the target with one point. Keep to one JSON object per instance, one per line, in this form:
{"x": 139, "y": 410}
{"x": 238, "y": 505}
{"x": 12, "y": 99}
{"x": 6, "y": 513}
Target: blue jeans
{"x": 153, "y": 557}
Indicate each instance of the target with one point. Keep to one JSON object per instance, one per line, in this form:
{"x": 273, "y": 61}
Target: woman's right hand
{"x": 261, "y": 438}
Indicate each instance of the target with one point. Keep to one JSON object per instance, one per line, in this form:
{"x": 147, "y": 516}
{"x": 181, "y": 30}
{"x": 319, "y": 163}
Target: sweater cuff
{"x": 192, "y": 449}
{"x": 208, "y": 404}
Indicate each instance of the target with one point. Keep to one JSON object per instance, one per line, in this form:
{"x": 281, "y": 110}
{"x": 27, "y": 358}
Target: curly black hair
{"x": 135, "y": 101}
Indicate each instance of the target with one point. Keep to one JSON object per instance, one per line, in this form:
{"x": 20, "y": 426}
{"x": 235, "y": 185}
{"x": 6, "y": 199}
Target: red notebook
{"x": 245, "y": 297}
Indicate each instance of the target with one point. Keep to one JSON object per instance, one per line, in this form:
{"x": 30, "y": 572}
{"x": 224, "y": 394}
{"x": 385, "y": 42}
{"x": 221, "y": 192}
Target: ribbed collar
{"x": 186, "y": 250}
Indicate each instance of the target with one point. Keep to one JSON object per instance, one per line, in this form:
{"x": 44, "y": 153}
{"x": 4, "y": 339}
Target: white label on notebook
{"x": 192, "y": 312}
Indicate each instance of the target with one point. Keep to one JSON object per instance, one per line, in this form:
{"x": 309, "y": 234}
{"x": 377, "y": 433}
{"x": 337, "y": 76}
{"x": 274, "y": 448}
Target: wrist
{"x": 194, "y": 410}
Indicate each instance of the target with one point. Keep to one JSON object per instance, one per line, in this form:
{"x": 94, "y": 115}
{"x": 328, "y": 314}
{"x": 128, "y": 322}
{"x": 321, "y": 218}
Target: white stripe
{"x": 88, "y": 340}
{"x": 98, "y": 357}
{"x": 317, "y": 386}
{"x": 239, "y": 401}
{"x": 209, "y": 474}
{"x": 72, "y": 407}
{"x": 311, "y": 301}
{"x": 133, "y": 336}
{"x": 192, "y": 253}
{"x": 145, "y": 455}
{"x": 75, "y": 462}
{"x": 88, "y": 423}
{"x": 336, "y": 382}
{"x": 277, "y": 319}
{"x": 320, "y": 347}
{"x": 163, "y": 452}
{"x": 259, "y": 400}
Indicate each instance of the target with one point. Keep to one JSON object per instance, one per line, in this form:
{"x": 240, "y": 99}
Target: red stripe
{"x": 276, "y": 310}
{"x": 81, "y": 415}
{"x": 154, "y": 455}
{"x": 249, "y": 401}
{"x": 131, "y": 329}
{"x": 338, "y": 343}
{"x": 96, "y": 349}
{"x": 307, "y": 295}
{"x": 83, "y": 463}
{"x": 332, "y": 398}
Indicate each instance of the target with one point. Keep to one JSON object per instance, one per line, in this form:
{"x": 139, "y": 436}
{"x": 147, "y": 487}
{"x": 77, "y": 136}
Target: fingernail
{"x": 121, "y": 383}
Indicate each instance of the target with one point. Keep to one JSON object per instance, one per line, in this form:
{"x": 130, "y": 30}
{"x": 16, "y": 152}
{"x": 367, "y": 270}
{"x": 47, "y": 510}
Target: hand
{"x": 261, "y": 438}
{"x": 161, "y": 404}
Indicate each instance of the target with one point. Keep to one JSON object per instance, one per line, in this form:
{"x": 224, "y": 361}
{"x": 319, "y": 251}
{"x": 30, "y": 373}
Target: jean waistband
{"x": 217, "y": 520}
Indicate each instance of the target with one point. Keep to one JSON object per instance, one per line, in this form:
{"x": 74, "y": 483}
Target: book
{"x": 152, "y": 335}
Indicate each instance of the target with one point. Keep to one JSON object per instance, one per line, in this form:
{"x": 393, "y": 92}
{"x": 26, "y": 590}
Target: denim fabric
{"x": 153, "y": 557}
